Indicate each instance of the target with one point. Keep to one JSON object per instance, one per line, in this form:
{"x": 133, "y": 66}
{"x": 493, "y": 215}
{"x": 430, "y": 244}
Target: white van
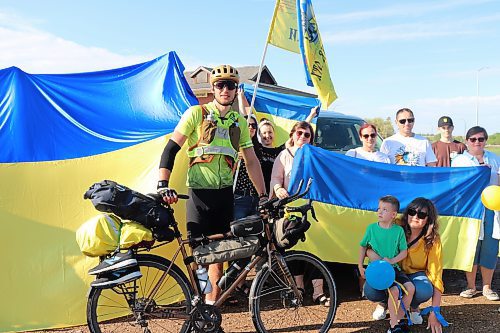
{"x": 339, "y": 132}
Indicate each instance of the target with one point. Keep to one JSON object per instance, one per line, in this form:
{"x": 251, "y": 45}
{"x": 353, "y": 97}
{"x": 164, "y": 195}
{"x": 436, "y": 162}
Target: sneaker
{"x": 396, "y": 329}
{"x": 118, "y": 261}
{"x": 490, "y": 295}
{"x": 416, "y": 318}
{"x": 114, "y": 278}
{"x": 379, "y": 313}
{"x": 468, "y": 293}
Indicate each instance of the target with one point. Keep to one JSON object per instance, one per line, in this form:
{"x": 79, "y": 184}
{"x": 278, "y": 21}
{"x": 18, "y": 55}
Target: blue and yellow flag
{"x": 347, "y": 191}
{"x": 283, "y": 32}
{"x": 60, "y": 134}
{"x": 313, "y": 54}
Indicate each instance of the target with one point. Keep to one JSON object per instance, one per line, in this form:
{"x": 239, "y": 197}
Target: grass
{"x": 493, "y": 149}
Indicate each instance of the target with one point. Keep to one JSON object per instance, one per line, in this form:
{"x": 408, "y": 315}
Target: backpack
{"x": 289, "y": 230}
{"x": 111, "y": 197}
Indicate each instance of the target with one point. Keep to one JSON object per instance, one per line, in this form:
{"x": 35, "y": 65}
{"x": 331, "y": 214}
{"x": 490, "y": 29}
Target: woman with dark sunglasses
{"x": 368, "y": 136}
{"x": 406, "y": 147}
{"x": 487, "y": 245}
{"x": 423, "y": 264}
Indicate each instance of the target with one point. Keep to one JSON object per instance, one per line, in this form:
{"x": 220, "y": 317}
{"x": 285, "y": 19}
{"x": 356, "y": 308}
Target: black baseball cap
{"x": 445, "y": 120}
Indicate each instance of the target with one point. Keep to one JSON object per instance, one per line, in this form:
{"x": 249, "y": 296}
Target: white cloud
{"x": 36, "y": 51}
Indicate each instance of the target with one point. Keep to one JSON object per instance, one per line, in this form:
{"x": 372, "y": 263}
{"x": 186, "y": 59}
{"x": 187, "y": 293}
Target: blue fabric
{"x": 46, "y": 117}
{"x": 356, "y": 183}
{"x": 303, "y": 14}
{"x": 437, "y": 312}
{"x": 281, "y": 105}
{"x": 245, "y": 205}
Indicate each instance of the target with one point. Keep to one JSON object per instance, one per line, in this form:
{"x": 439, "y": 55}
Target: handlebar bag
{"x": 248, "y": 226}
{"x": 226, "y": 250}
{"x": 289, "y": 230}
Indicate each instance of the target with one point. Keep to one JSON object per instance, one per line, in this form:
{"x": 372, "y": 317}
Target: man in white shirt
{"x": 405, "y": 147}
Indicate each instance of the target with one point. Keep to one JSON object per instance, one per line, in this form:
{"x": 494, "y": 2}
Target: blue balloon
{"x": 380, "y": 275}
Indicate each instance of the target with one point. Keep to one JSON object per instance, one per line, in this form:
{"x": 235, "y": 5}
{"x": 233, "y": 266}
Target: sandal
{"x": 322, "y": 300}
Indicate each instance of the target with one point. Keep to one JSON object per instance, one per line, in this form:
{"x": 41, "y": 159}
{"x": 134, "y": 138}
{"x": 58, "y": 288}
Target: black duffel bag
{"x": 111, "y": 197}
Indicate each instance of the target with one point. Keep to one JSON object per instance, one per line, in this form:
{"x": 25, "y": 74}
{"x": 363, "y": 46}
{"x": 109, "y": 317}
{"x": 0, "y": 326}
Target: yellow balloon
{"x": 491, "y": 197}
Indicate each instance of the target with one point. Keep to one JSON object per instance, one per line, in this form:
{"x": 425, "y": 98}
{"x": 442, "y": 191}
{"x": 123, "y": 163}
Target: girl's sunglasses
{"x": 420, "y": 215}
{"x": 252, "y": 125}
{"x": 231, "y": 85}
{"x": 305, "y": 134}
{"x": 481, "y": 139}
{"x": 373, "y": 136}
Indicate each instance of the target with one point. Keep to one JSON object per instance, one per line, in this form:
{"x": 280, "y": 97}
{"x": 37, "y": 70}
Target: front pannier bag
{"x": 289, "y": 230}
{"x": 226, "y": 250}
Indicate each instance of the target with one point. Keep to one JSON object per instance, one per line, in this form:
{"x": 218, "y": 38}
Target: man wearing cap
{"x": 446, "y": 149}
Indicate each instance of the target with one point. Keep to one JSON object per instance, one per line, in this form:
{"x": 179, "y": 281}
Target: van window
{"x": 339, "y": 134}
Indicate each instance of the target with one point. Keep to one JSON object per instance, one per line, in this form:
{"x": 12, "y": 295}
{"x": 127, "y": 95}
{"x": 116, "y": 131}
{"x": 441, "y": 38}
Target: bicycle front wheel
{"x": 127, "y": 308}
{"x": 274, "y": 305}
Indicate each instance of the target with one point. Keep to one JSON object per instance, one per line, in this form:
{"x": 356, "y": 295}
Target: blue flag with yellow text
{"x": 347, "y": 191}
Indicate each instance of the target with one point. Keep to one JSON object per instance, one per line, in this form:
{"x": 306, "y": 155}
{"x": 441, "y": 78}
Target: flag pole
{"x": 257, "y": 84}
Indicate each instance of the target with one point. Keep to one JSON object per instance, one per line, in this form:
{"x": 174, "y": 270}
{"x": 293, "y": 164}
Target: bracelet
{"x": 437, "y": 312}
{"x": 263, "y": 195}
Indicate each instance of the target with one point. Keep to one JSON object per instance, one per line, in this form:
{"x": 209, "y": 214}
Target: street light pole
{"x": 477, "y": 94}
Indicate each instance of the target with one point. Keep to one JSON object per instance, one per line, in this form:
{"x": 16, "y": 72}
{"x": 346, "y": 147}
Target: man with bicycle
{"x": 215, "y": 133}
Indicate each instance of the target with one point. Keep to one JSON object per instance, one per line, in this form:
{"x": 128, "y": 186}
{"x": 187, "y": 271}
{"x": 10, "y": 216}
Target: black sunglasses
{"x": 481, "y": 139}
{"x": 420, "y": 215}
{"x": 373, "y": 136}
{"x": 252, "y": 125}
{"x": 231, "y": 85}
{"x": 305, "y": 134}
{"x": 409, "y": 120}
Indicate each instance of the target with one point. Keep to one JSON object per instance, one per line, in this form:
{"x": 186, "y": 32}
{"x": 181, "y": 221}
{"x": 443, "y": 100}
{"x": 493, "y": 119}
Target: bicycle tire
{"x": 122, "y": 308}
{"x": 273, "y": 303}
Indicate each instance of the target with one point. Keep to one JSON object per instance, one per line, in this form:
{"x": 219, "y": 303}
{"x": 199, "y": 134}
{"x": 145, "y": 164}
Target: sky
{"x": 383, "y": 55}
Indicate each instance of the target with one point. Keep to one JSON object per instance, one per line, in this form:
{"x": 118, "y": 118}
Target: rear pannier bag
{"x": 248, "y": 226}
{"x": 104, "y": 233}
{"x": 226, "y": 250}
{"x": 111, "y": 197}
{"x": 289, "y": 230}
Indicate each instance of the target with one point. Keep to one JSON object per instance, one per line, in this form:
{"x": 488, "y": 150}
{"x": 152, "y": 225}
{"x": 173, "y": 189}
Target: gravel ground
{"x": 354, "y": 313}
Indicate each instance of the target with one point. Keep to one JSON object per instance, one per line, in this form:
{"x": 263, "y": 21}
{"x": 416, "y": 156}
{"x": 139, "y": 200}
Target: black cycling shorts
{"x": 209, "y": 211}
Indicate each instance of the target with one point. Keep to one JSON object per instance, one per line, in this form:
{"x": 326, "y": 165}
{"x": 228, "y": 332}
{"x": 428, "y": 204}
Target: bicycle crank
{"x": 206, "y": 318}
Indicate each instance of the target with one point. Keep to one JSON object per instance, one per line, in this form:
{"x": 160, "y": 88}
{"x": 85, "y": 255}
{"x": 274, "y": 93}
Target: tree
{"x": 384, "y": 127}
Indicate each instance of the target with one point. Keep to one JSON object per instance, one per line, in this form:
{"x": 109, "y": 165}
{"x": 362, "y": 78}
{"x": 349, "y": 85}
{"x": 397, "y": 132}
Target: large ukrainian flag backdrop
{"x": 347, "y": 192}
{"x": 59, "y": 134}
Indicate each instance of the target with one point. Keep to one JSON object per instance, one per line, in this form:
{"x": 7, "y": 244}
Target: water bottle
{"x": 203, "y": 280}
{"x": 232, "y": 272}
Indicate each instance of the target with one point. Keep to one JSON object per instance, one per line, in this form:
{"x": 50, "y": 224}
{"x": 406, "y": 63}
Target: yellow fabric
{"x": 99, "y": 235}
{"x": 133, "y": 233}
{"x": 343, "y": 228}
{"x": 430, "y": 262}
{"x": 283, "y": 32}
{"x": 318, "y": 66}
{"x": 41, "y": 207}
{"x": 216, "y": 174}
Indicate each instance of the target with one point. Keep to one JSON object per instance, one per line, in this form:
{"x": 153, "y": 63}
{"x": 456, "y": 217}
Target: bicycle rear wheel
{"x": 274, "y": 306}
{"x": 126, "y": 307}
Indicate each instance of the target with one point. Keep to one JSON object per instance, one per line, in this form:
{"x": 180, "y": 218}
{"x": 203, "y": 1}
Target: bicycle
{"x": 165, "y": 299}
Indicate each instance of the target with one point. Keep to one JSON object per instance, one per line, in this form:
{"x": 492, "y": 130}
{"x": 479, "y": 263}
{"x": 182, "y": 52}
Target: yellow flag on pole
{"x": 313, "y": 54}
{"x": 283, "y": 32}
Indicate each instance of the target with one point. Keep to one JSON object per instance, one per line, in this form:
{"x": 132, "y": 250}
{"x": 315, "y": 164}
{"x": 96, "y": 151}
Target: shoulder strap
{"x": 290, "y": 152}
{"x": 204, "y": 113}
{"x": 410, "y": 244}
